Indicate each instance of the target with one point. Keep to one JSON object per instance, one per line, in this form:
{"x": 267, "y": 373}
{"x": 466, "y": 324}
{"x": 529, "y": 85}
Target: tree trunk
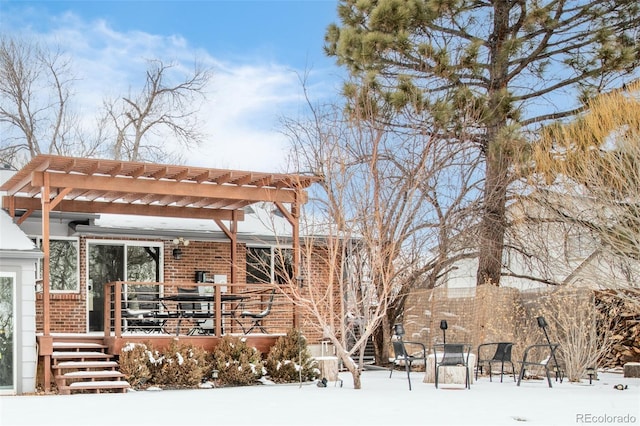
{"x": 493, "y": 224}
{"x": 352, "y": 367}
{"x": 381, "y": 339}
{"x": 497, "y": 146}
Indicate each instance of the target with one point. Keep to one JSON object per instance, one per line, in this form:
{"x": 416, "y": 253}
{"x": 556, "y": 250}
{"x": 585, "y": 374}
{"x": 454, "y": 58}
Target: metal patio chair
{"x": 494, "y": 353}
{"x": 193, "y": 310}
{"x": 402, "y": 354}
{"x": 452, "y": 355}
{"x": 540, "y": 355}
{"x": 257, "y": 317}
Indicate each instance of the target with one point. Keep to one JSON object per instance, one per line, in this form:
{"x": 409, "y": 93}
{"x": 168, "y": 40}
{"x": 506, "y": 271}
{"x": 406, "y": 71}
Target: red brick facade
{"x": 68, "y": 311}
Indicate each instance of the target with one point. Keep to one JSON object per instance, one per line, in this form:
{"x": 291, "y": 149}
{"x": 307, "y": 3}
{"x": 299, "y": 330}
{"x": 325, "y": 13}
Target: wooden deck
{"x": 89, "y": 362}
{"x": 177, "y": 323}
{"x": 262, "y": 342}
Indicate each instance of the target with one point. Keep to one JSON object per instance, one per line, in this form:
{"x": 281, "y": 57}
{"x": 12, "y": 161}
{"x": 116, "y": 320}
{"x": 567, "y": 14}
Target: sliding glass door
{"x": 118, "y": 261}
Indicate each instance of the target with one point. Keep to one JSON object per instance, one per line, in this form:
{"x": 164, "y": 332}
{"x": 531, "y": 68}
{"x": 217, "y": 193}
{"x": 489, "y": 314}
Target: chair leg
{"x": 407, "y": 366}
{"x": 467, "y": 383}
{"x": 258, "y": 324}
{"x": 521, "y": 375}
{"x": 548, "y": 376}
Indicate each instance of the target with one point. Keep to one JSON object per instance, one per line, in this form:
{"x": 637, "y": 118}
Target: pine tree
{"x": 513, "y": 66}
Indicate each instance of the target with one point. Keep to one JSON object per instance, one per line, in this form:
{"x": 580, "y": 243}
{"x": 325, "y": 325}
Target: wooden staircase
{"x": 84, "y": 366}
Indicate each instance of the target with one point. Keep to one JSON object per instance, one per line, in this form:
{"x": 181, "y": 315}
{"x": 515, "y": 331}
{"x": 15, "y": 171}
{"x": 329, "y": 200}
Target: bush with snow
{"x": 180, "y": 365}
{"x": 237, "y": 363}
{"x": 289, "y": 360}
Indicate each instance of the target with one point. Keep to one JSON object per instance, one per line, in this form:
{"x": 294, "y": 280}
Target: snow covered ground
{"x": 381, "y": 401}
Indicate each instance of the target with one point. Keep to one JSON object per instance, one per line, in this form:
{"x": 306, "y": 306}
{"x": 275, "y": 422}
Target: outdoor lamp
{"x": 443, "y": 327}
{"x": 591, "y": 372}
{"x": 177, "y": 253}
{"x": 214, "y": 376}
{"x": 398, "y": 329}
{"x": 541, "y": 322}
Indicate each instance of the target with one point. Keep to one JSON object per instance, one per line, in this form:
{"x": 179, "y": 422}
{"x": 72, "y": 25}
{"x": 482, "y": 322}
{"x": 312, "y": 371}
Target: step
{"x": 78, "y": 345}
{"x": 82, "y": 355}
{"x": 64, "y": 380}
{"x": 65, "y": 365}
{"x": 97, "y": 386}
{"x": 89, "y": 374}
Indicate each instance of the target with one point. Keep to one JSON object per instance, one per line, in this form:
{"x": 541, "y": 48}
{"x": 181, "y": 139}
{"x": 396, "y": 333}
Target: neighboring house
{"x": 558, "y": 250}
{"x": 225, "y": 226}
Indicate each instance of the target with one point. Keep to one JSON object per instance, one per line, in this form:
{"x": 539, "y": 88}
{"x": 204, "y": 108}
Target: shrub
{"x": 134, "y": 363}
{"x": 182, "y": 366}
{"x": 289, "y": 360}
{"x": 237, "y": 363}
{"x": 179, "y": 366}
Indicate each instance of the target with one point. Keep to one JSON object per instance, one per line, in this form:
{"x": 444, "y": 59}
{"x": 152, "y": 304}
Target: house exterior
{"x": 111, "y": 221}
{"x": 560, "y": 252}
{"x": 18, "y": 352}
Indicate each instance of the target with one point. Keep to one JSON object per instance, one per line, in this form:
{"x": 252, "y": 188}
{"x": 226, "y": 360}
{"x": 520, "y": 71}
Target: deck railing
{"x": 196, "y": 309}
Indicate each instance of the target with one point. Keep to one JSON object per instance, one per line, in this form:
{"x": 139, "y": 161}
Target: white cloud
{"x": 245, "y": 100}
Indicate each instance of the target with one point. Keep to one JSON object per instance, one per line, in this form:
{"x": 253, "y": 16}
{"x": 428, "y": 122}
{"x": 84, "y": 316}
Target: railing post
{"x": 117, "y": 309}
{"x": 218, "y": 308}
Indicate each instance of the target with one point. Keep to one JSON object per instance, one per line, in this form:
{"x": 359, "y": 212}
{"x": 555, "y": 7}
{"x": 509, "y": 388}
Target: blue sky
{"x": 257, "y": 50}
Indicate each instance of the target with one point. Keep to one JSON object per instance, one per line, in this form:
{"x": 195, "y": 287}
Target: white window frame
{"x": 272, "y": 259}
{"x": 38, "y": 242}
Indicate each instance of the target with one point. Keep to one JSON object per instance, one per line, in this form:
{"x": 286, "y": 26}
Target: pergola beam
{"x": 20, "y": 203}
{"x": 159, "y": 187}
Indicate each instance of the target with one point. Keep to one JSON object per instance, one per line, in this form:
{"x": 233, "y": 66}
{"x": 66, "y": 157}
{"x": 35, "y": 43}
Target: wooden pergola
{"x": 51, "y": 183}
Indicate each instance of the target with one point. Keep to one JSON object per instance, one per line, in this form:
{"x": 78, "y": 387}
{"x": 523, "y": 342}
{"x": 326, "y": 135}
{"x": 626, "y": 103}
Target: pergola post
{"x": 46, "y": 321}
{"x": 101, "y": 186}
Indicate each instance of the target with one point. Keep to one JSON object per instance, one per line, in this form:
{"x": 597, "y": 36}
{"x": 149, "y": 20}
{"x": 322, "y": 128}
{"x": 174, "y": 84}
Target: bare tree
{"x": 35, "y": 90}
{"x": 161, "y": 108}
{"x": 38, "y": 117}
{"x": 387, "y": 199}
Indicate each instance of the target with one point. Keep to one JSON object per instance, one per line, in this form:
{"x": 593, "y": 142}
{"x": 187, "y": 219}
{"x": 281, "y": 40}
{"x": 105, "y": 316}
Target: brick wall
{"x": 69, "y": 310}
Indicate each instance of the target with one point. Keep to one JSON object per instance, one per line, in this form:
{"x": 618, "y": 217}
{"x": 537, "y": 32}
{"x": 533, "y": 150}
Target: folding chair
{"x": 257, "y": 317}
{"x": 193, "y": 310}
{"x": 141, "y": 313}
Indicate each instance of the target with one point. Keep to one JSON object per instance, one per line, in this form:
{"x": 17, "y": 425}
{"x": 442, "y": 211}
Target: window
{"x": 63, "y": 264}
{"x": 283, "y": 265}
{"x": 258, "y": 265}
{"x": 578, "y": 245}
{"x": 269, "y": 264}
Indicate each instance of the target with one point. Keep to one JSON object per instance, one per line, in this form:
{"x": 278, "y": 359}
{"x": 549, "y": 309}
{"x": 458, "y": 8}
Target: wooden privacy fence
{"x": 493, "y": 314}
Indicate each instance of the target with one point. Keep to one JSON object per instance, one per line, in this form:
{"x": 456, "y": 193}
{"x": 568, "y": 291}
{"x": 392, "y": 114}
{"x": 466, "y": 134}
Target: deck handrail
{"x": 116, "y": 292}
